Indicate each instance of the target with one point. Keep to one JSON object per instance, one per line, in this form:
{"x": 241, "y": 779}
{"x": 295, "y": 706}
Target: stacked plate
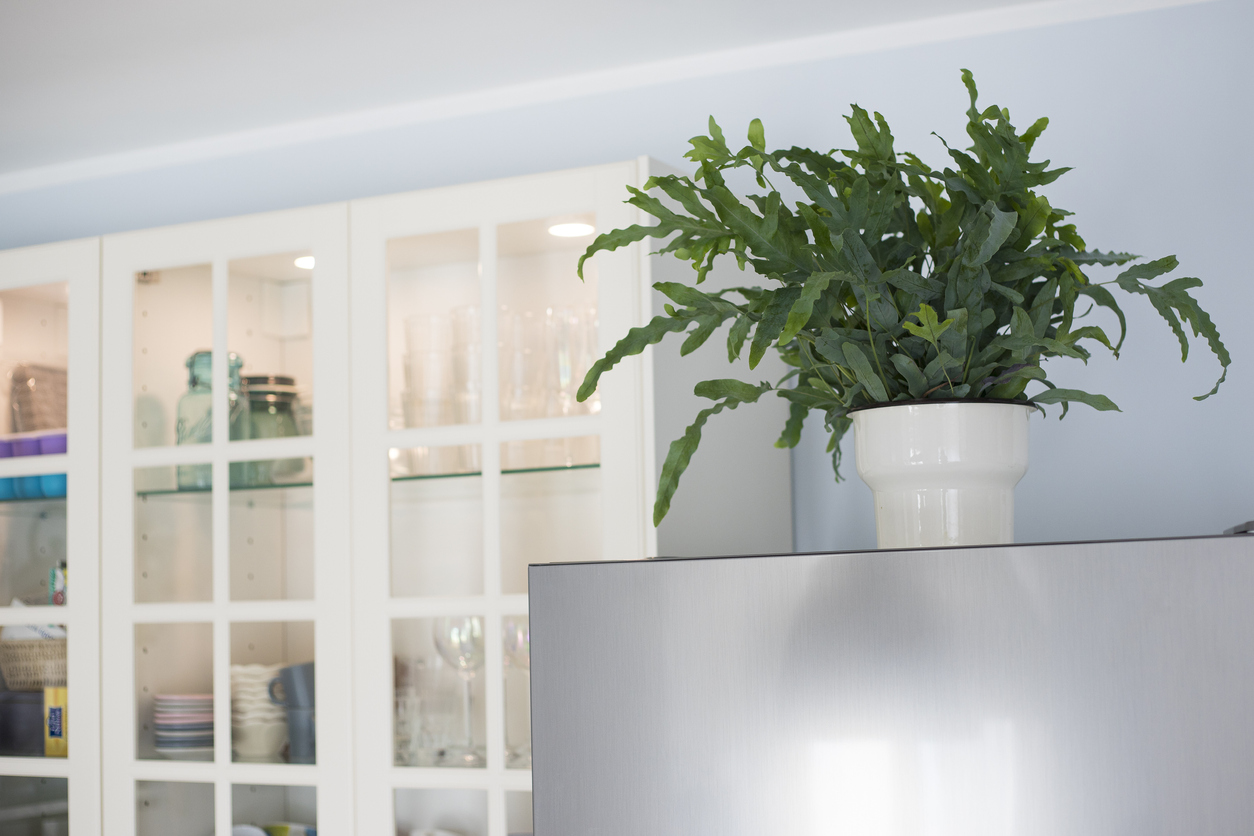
{"x": 258, "y": 726}
{"x": 184, "y": 726}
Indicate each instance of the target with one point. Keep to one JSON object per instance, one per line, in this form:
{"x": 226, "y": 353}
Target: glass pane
{"x": 464, "y": 812}
{"x": 263, "y": 805}
{"x": 166, "y": 808}
{"x": 273, "y": 721}
{"x": 174, "y": 691}
{"x": 32, "y": 550}
{"x": 437, "y": 521}
{"x": 549, "y": 513}
{"x": 435, "y": 361}
{"x": 516, "y": 638}
{"x": 270, "y": 329}
{"x": 34, "y": 806}
{"x": 33, "y": 710}
{"x": 547, "y": 326}
{"x": 173, "y": 333}
{"x": 518, "y": 813}
{"x": 272, "y": 507}
{"x": 34, "y": 348}
{"x": 173, "y": 534}
{"x": 439, "y": 691}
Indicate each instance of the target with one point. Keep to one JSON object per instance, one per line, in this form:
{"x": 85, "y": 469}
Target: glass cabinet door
{"x": 226, "y": 617}
{"x": 473, "y": 458}
{"x": 49, "y": 512}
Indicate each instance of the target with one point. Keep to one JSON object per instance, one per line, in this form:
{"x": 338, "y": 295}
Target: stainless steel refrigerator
{"x": 1086, "y": 689}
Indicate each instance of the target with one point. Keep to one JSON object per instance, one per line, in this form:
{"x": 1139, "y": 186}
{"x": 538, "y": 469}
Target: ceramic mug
{"x": 301, "y": 735}
{"x": 297, "y": 682}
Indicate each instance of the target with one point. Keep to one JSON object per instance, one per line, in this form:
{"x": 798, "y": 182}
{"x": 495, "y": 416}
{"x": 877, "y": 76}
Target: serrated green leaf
{"x": 1145, "y": 272}
{"x": 1174, "y": 304}
{"x": 916, "y": 383}
{"x": 791, "y": 436}
{"x": 925, "y": 287}
{"x": 733, "y": 393}
{"x": 1103, "y": 297}
{"x": 1034, "y": 132}
{"x": 1098, "y": 402}
{"x": 861, "y": 367}
{"x": 929, "y": 327}
{"x": 706, "y": 325}
{"x": 736, "y": 337}
{"x": 757, "y": 135}
{"x": 771, "y": 323}
{"x": 799, "y": 315}
{"x": 636, "y": 341}
{"x": 1020, "y": 372}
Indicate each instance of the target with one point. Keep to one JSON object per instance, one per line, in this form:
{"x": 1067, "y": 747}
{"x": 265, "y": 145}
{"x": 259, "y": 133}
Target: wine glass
{"x": 460, "y": 641}
{"x": 516, "y": 635}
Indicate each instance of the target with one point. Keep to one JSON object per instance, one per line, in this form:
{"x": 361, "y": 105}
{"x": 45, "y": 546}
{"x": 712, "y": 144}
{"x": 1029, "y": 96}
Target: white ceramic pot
{"x": 943, "y": 473}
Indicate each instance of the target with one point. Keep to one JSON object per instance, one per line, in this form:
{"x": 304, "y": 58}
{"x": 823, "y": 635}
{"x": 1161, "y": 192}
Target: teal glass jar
{"x": 195, "y": 414}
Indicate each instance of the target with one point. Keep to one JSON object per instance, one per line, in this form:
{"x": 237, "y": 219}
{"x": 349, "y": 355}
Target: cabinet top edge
{"x": 1247, "y": 539}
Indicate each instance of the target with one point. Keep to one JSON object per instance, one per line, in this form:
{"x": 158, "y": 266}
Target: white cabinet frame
{"x": 78, "y": 264}
{"x": 624, "y": 425}
{"x": 323, "y": 231}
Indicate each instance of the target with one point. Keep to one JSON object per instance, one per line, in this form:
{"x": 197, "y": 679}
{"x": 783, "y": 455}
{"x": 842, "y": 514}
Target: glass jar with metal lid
{"x": 273, "y": 403}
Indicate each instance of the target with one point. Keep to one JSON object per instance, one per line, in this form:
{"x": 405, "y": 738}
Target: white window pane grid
{"x": 278, "y": 596}
{"x": 422, "y": 793}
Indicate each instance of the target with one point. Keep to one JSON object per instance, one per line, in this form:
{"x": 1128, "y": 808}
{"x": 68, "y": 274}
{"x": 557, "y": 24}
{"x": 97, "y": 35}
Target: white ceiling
{"x": 83, "y": 78}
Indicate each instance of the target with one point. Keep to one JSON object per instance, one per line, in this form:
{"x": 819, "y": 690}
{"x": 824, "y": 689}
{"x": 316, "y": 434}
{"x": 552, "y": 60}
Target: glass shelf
{"x": 418, "y": 478}
{"x": 22, "y": 500}
{"x": 503, "y": 472}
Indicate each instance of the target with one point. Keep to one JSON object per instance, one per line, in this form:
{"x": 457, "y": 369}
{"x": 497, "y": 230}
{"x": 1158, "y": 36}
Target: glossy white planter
{"x": 943, "y": 473}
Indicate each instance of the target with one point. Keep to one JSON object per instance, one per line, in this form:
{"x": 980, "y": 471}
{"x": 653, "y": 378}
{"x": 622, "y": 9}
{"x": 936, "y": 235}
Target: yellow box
{"x": 56, "y": 740}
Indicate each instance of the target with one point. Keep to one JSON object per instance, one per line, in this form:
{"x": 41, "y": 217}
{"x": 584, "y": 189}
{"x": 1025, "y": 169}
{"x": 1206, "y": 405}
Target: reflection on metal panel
{"x": 1086, "y": 689}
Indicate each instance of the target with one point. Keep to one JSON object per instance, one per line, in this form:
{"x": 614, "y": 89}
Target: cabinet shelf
{"x": 22, "y": 501}
{"x": 234, "y": 489}
{"x": 417, "y": 478}
{"x": 469, "y": 473}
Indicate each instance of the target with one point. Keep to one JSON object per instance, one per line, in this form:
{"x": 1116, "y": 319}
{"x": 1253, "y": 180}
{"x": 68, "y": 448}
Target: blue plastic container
{"x": 53, "y": 484}
{"x": 29, "y": 487}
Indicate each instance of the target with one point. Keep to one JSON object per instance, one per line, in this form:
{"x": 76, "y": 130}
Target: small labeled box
{"x": 55, "y": 736}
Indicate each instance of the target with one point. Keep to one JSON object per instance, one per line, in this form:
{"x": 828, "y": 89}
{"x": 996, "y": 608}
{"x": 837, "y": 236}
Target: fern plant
{"x": 892, "y": 282}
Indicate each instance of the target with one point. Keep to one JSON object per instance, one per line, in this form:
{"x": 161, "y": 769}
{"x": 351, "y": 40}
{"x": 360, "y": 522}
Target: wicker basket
{"x": 33, "y": 664}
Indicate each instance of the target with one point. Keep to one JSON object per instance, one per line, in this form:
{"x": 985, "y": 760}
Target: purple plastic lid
{"x": 6, "y": 449}
{"x": 51, "y": 444}
{"x": 26, "y": 446}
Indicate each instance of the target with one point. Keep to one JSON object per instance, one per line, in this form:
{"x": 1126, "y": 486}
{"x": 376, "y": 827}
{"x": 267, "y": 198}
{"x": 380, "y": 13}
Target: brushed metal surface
{"x": 1083, "y": 689}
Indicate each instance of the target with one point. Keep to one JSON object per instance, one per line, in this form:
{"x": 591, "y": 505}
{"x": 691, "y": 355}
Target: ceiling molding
{"x": 761, "y": 56}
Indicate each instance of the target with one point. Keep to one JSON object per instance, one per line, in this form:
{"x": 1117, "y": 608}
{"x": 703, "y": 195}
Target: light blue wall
{"x": 1152, "y": 110}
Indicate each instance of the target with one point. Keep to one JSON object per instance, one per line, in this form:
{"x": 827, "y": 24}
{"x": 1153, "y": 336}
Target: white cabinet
{"x": 466, "y": 291}
{"x": 306, "y": 457}
{"x": 49, "y": 518}
{"x": 226, "y": 530}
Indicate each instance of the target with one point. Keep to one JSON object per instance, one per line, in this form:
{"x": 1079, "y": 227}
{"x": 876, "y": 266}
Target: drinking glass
{"x": 467, "y": 378}
{"x": 516, "y": 634}
{"x": 426, "y": 395}
{"x": 460, "y": 641}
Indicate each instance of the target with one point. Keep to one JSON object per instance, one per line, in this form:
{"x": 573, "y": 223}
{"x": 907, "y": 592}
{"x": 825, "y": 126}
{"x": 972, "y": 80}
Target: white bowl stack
{"x": 258, "y": 726}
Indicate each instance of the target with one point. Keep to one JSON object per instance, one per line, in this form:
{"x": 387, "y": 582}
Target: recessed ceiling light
{"x": 305, "y": 262}
{"x": 571, "y": 230}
